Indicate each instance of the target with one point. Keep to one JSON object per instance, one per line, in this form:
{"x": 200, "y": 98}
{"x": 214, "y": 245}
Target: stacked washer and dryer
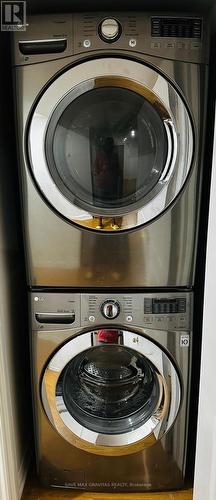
{"x": 110, "y": 125}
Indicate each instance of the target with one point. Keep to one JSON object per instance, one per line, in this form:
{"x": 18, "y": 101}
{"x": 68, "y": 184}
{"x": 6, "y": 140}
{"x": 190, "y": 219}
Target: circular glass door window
{"x": 110, "y": 152}
{"x": 106, "y": 149}
{"x": 109, "y": 389}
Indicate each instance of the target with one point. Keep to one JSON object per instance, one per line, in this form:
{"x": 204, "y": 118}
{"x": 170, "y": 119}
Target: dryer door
{"x": 107, "y": 396}
{"x": 110, "y": 144}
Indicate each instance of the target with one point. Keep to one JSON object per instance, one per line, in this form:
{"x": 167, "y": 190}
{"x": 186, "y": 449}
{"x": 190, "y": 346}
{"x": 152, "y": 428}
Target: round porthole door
{"x": 110, "y": 144}
{"x": 109, "y": 397}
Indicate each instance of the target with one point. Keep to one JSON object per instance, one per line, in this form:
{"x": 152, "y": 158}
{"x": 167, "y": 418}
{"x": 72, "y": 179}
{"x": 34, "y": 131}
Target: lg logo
{"x": 39, "y": 299}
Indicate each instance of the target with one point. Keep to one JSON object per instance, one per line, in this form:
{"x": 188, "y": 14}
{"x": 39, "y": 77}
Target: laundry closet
{"x": 103, "y": 273}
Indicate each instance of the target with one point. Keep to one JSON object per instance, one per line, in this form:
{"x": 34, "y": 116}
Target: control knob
{"x": 110, "y": 309}
{"x": 110, "y": 30}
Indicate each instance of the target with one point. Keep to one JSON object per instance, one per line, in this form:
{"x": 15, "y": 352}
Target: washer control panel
{"x": 158, "y": 311}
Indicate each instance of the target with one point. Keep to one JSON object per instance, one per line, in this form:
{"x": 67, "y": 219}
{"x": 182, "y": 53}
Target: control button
{"x": 92, "y": 318}
{"x": 195, "y": 45}
{"x": 110, "y": 309}
{"x": 110, "y": 30}
{"x": 129, "y": 318}
{"x": 87, "y": 43}
{"x": 155, "y": 45}
{"x": 182, "y": 45}
{"x": 148, "y": 319}
{"x": 132, "y": 42}
{"x": 169, "y": 45}
{"x": 36, "y": 299}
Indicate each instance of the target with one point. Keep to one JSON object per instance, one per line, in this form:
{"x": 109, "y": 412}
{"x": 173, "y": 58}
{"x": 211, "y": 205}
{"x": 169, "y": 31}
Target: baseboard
{"x": 5, "y": 491}
{"x": 23, "y": 470}
{"x": 8, "y": 474}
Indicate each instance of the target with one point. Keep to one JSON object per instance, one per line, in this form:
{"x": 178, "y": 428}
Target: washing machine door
{"x": 111, "y": 392}
{"x": 110, "y": 144}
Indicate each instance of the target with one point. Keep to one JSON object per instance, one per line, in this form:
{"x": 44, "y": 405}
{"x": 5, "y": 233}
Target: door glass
{"x": 109, "y": 388}
{"x": 107, "y": 148}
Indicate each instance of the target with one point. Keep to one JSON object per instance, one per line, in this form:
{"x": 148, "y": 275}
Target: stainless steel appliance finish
{"x": 75, "y": 76}
{"x": 111, "y": 395}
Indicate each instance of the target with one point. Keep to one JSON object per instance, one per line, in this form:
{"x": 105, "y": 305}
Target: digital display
{"x": 176, "y": 27}
{"x": 165, "y": 306}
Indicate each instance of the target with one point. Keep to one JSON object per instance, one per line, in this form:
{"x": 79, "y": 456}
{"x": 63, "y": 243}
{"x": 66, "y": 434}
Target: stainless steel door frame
{"x": 143, "y": 80}
{"x": 173, "y": 443}
{"x": 109, "y": 444}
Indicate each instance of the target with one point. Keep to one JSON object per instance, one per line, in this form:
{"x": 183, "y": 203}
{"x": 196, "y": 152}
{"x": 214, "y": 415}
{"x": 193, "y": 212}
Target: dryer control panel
{"x": 179, "y": 37}
{"x": 160, "y": 311}
{"x": 182, "y": 37}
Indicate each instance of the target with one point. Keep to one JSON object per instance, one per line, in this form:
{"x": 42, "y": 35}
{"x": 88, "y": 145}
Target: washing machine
{"x": 110, "y": 113}
{"x": 111, "y": 385}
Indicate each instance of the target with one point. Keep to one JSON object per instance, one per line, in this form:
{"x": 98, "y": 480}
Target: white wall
{"x": 14, "y": 394}
{"x": 205, "y": 470}
{"x": 13, "y": 442}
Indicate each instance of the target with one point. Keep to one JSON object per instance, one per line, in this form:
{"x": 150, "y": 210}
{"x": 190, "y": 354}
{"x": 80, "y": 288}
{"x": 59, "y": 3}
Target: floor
{"x": 33, "y": 491}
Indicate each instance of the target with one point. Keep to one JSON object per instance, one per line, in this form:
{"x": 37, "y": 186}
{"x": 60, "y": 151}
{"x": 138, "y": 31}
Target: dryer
{"x": 110, "y": 123}
{"x": 111, "y": 386}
